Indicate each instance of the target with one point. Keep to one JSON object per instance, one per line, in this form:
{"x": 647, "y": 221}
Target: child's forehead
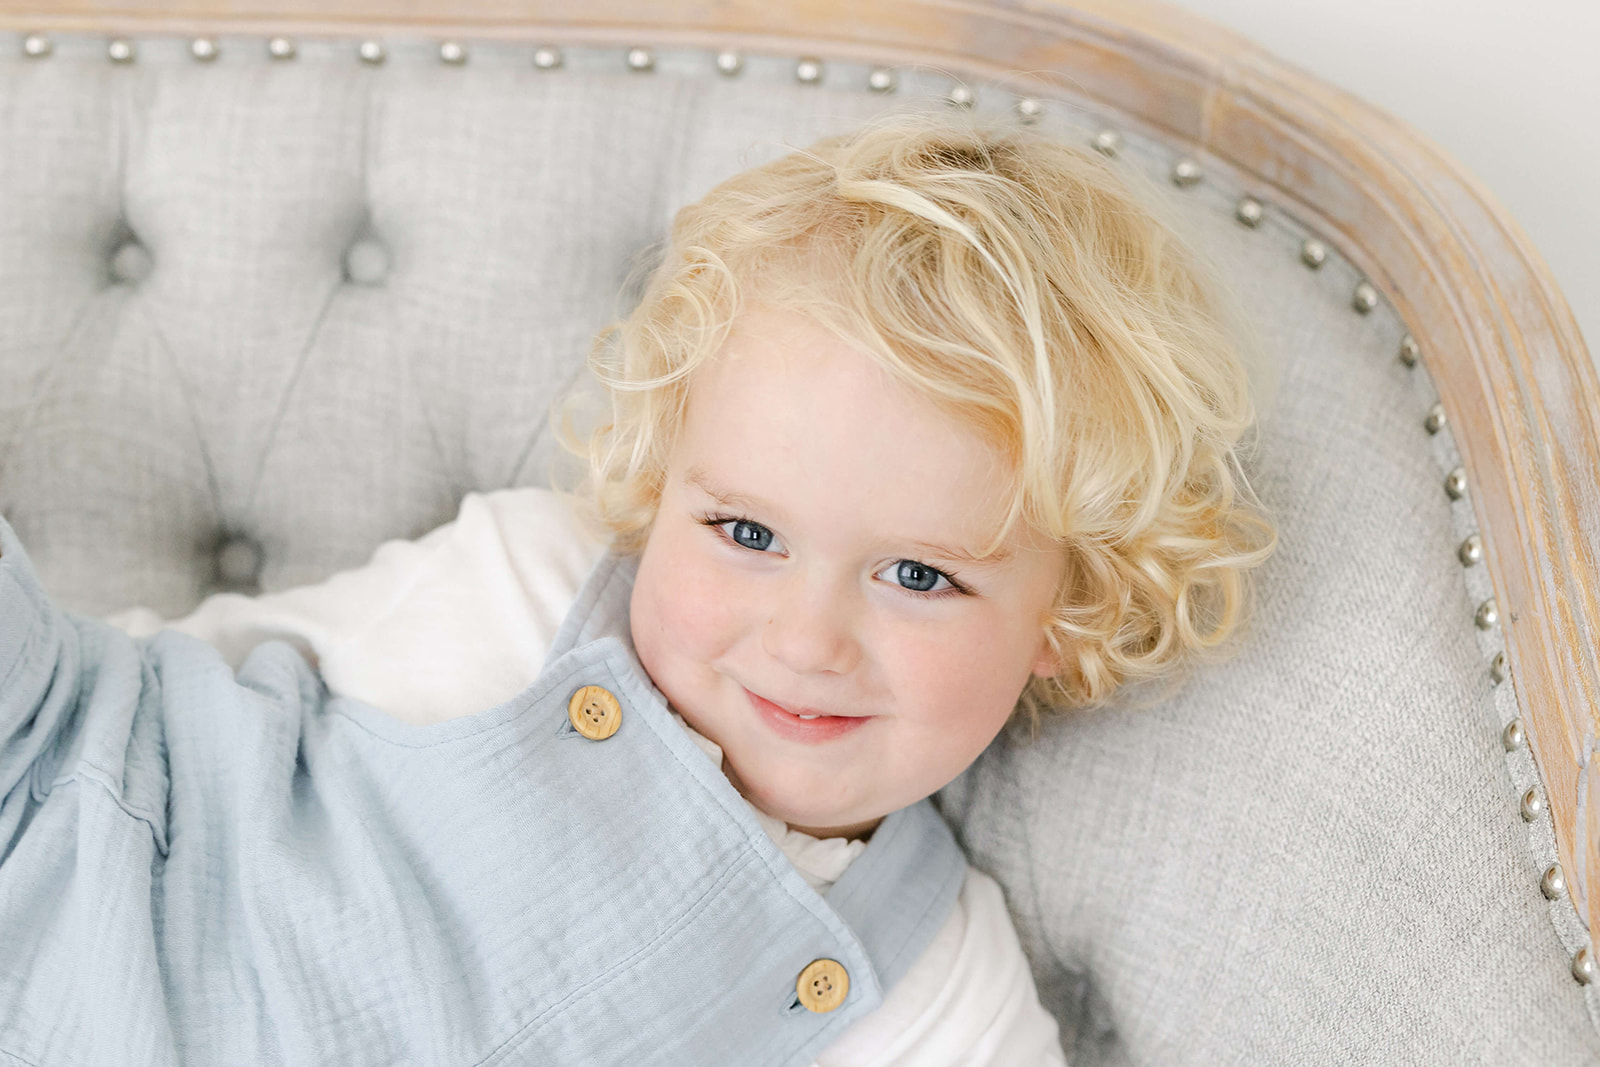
{"x": 782, "y": 366}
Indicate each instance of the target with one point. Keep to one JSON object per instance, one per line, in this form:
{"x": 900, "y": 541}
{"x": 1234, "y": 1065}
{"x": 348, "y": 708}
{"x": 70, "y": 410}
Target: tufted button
{"x": 367, "y": 262}
{"x": 823, "y": 985}
{"x": 238, "y": 562}
{"x": 594, "y": 712}
{"x": 130, "y": 263}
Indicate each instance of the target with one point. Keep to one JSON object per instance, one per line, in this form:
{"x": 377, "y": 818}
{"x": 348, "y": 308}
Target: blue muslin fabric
{"x": 198, "y": 867}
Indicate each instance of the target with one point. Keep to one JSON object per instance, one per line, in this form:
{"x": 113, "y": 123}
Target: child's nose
{"x": 809, "y": 630}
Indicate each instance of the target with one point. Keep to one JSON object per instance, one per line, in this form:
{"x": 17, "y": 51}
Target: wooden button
{"x": 822, "y": 985}
{"x": 594, "y": 712}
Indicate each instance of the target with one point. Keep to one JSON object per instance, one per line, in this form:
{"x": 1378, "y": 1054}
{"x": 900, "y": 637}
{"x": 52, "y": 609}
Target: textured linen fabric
{"x": 199, "y": 869}
{"x": 461, "y": 619}
{"x": 1310, "y": 855}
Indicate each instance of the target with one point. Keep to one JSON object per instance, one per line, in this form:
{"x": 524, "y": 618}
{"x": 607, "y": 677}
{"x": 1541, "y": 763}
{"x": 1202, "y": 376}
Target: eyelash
{"x": 718, "y": 521}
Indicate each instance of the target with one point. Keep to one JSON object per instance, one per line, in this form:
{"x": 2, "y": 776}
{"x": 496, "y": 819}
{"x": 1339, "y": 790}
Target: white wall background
{"x": 1511, "y": 88}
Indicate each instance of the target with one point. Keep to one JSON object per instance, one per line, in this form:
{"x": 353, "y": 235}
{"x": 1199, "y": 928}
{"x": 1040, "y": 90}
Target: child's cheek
{"x": 684, "y": 613}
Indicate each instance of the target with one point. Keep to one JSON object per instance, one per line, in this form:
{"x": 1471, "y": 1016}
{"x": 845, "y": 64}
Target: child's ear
{"x": 1046, "y": 663}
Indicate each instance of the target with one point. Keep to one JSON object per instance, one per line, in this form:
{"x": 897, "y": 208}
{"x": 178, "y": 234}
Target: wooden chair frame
{"x": 1501, "y": 344}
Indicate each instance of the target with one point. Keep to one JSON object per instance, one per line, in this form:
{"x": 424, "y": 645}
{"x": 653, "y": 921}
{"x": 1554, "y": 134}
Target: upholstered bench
{"x": 279, "y": 282}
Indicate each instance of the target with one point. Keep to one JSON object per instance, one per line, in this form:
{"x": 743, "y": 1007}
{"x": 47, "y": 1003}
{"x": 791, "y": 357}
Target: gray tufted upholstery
{"x": 257, "y": 316}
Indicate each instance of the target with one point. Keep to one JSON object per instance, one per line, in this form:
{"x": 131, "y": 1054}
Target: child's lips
{"x": 802, "y": 723}
{"x": 801, "y": 712}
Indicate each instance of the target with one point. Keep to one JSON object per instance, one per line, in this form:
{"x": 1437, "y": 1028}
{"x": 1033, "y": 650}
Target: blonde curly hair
{"x": 1023, "y": 287}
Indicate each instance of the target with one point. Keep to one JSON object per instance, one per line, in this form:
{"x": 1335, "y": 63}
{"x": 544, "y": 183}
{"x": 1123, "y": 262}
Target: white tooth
{"x": 808, "y": 716}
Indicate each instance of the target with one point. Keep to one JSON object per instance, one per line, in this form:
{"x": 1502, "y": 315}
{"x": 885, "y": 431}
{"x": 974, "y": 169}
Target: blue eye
{"x": 750, "y": 535}
{"x": 744, "y": 533}
{"x": 915, "y": 576}
{"x": 919, "y": 577}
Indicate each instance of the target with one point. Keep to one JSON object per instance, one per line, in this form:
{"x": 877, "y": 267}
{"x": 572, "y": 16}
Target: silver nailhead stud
{"x": 808, "y": 71}
{"x": 1532, "y": 805}
{"x": 1029, "y": 109}
{"x": 120, "y": 50}
{"x": 203, "y": 48}
{"x": 1455, "y": 484}
{"x": 1487, "y": 615}
{"x": 1435, "y": 420}
{"x": 547, "y": 58}
{"x": 1471, "y": 551}
{"x": 453, "y": 53}
{"x": 1313, "y": 253}
{"x": 1512, "y": 736}
{"x": 280, "y": 48}
{"x": 1365, "y": 298}
{"x": 1409, "y": 352}
{"x": 36, "y": 46}
{"x": 1249, "y": 212}
{"x": 1554, "y": 882}
{"x": 882, "y": 80}
{"x": 1497, "y": 668}
{"x": 1185, "y": 172}
{"x": 729, "y": 63}
{"x": 1109, "y": 143}
{"x": 961, "y": 96}
{"x": 371, "y": 52}
{"x": 641, "y": 59}
{"x": 1583, "y": 966}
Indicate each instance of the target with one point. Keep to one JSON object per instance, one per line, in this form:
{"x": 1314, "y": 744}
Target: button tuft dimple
{"x": 130, "y": 263}
{"x": 238, "y": 562}
{"x": 366, "y": 262}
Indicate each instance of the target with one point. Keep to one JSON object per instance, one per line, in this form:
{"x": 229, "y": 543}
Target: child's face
{"x": 814, "y": 513}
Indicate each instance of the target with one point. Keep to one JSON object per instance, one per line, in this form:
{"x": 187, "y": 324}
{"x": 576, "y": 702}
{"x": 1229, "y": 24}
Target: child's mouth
{"x": 808, "y": 725}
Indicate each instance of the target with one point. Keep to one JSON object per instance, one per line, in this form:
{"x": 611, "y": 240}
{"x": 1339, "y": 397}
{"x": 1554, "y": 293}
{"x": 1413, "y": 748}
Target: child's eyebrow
{"x": 696, "y": 476}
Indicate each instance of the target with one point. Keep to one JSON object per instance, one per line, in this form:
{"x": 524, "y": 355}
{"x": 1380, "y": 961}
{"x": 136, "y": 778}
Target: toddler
{"x": 914, "y": 432}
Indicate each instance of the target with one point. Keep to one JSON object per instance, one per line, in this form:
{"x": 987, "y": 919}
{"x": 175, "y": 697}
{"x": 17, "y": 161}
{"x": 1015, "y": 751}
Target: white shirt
{"x": 460, "y": 620}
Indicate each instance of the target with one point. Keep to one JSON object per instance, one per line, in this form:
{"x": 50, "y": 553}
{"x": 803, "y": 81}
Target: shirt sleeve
{"x": 969, "y": 999}
{"x": 40, "y": 666}
{"x": 428, "y": 630}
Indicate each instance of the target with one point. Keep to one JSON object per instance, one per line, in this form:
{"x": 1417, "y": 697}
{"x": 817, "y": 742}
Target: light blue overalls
{"x": 202, "y": 869}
